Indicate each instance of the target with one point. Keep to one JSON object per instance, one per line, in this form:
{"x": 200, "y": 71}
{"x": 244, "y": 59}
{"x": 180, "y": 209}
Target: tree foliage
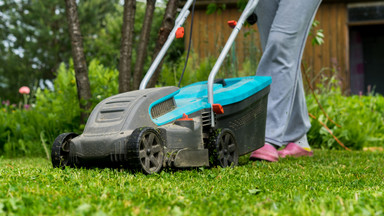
{"x": 35, "y": 39}
{"x": 34, "y": 42}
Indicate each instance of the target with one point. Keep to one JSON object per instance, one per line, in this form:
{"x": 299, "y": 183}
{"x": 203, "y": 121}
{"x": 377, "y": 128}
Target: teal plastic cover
{"x": 193, "y": 98}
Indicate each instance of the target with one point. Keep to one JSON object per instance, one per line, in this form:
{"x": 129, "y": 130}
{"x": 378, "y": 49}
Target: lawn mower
{"x": 207, "y": 123}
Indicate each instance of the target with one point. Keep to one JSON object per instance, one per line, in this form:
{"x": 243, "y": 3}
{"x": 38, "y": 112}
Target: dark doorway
{"x": 367, "y": 58}
{"x": 366, "y": 34}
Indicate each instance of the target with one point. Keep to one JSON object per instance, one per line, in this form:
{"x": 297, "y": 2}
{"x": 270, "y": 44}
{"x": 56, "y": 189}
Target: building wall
{"x": 333, "y": 55}
{"x": 210, "y": 33}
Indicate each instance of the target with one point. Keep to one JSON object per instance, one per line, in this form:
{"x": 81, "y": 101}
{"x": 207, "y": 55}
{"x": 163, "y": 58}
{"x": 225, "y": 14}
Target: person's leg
{"x": 282, "y": 53}
{"x": 266, "y": 11}
{"x": 297, "y": 143}
{"x": 298, "y": 124}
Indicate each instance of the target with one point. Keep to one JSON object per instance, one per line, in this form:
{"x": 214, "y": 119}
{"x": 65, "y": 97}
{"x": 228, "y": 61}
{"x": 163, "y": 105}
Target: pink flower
{"x": 24, "y": 90}
{"x": 27, "y": 106}
{"x": 6, "y": 103}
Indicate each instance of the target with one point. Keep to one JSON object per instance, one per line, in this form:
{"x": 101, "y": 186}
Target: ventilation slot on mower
{"x": 163, "y": 108}
{"x": 110, "y": 115}
{"x": 118, "y": 102}
{"x": 206, "y": 118}
{"x": 113, "y": 110}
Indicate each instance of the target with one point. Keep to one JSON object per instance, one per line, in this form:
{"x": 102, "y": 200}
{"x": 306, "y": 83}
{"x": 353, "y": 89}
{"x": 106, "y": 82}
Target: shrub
{"x": 360, "y": 117}
{"x": 27, "y": 132}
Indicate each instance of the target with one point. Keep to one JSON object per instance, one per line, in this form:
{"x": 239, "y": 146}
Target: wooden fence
{"x": 210, "y": 33}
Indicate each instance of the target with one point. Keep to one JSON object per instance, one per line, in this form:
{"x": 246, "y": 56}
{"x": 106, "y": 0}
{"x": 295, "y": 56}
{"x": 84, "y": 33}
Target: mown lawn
{"x": 331, "y": 182}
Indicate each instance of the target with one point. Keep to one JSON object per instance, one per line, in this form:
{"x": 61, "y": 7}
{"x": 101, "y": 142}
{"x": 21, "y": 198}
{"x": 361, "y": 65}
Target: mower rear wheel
{"x": 60, "y": 150}
{"x": 225, "y": 151}
{"x": 146, "y": 150}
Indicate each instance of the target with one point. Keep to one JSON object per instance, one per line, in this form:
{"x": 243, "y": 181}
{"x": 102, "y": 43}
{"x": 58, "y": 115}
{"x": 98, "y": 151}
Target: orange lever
{"x": 185, "y": 118}
{"x": 232, "y": 23}
{"x": 218, "y": 109}
{"x": 180, "y": 32}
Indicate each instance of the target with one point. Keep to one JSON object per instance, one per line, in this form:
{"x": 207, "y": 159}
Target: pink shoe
{"x": 267, "y": 153}
{"x": 292, "y": 149}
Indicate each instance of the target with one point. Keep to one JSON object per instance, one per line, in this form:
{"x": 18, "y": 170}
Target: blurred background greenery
{"x": 35, "y": 52}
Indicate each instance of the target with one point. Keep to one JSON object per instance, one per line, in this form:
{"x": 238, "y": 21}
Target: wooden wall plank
{"x": 345, "y": 50}
{"x": 211, "y": 33}
{"x": 341, "y": 63}
{"x": 317, "y": 57}
{"x": 333, "y": 13}
{"x": 326, "y": 46}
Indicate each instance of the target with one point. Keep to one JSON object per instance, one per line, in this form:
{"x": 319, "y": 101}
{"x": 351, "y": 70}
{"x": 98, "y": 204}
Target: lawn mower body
{"x": 149, "y": 129}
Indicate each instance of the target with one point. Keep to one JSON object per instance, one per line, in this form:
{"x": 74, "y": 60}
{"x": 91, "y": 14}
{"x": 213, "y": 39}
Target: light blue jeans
{"x": 284, "y": 26}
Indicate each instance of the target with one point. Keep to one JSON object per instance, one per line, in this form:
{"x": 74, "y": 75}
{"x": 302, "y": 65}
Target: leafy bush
{"x": 360, "y": 117}
{"x": 54, "y": 112}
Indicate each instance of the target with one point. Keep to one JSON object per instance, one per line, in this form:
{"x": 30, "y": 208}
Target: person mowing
{"x": 284, "y": 26}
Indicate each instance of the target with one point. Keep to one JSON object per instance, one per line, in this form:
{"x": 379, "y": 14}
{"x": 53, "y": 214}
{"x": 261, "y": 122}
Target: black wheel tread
{"x": 136, "y": 156}
{"x": 223, "y": 148}
{"x": 57, "y": 154}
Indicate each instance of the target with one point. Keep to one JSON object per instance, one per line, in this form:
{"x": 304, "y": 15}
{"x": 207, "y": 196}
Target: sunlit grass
{"x": 331, "y": 182}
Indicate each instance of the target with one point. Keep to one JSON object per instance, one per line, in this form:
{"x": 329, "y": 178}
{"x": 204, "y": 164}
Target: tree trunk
{"x": 127, "y": 33}
{"x": 143, "y": 42}
{"x": 80, "y": 64}
{"x": 166, "y": 28}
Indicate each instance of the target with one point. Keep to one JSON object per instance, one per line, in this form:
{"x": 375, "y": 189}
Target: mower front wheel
{"x": 146, "y": 150}
{"x": 225, "y": 152}
{"x": 60, "y": 150}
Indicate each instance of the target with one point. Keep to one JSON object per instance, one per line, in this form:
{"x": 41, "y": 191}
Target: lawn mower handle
{"x": 178, "y": 23}
{"x": 249, "y": 9}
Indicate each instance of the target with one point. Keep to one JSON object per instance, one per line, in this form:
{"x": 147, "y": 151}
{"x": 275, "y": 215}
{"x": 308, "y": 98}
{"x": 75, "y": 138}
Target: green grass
{"x": 331, "y": 182}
